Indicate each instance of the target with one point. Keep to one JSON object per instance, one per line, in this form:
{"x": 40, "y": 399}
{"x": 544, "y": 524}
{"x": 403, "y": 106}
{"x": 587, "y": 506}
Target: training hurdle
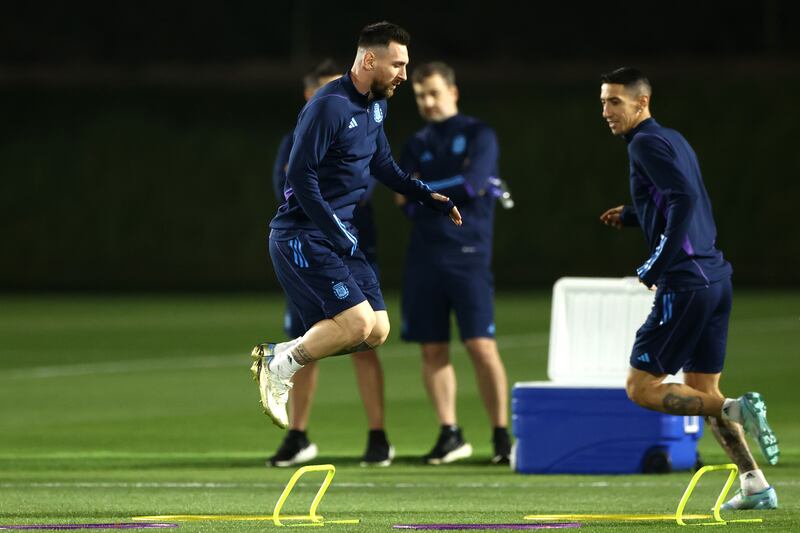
{"x": 679, "y": 517}
{"x": 718, "y": 520}
{"x": 310, "y": 519}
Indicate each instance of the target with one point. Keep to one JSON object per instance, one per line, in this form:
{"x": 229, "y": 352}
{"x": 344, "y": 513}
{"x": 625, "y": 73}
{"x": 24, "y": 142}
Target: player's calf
{"x": 649, "y": 391}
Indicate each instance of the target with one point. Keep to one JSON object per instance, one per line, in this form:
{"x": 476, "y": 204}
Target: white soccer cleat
{"x": 273, "y": 388}
{"x": 766, "y": 499}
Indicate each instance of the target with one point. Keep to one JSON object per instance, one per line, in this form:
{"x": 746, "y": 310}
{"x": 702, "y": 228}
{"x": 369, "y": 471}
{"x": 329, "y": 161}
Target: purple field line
{"x": 117, "y": 525}
{"x": 527, "y": 525}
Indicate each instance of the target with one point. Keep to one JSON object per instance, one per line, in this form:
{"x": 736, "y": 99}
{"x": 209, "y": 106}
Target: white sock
{"x": 286, "y": 346}
{"x": 732, "y": 410}
{"x": 753, "y": 482}
{"x": 284, "y": 364}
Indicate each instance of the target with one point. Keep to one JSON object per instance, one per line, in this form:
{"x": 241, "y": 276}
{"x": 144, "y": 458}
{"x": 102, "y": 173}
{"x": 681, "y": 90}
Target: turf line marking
{"x": 352, "y": 485}
{"x": 123, "y": 367}
{"x": 528, "y": 340}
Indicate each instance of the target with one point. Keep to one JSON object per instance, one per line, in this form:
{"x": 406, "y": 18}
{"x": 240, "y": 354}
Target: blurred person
{"x": 339, "y": 142}
{"x": 448, "y": 269}
{"x": 296, "y": 447}
{"x": 688, "y": 326}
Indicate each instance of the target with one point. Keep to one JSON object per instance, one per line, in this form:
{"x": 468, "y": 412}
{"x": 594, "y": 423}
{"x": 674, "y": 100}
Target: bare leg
{"x": 338, "y": 335}
{"x": 649, "y": 391}
{"x": 729, "y": 434}
{"x": 301, "y": 397}
{"x": 370, "y": 385}
{"x": 491, "y": 377}
{"x": 368, "y": 371}
{"x": 440, "y": 380}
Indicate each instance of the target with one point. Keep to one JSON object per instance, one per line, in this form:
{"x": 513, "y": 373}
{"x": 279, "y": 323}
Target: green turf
{"x": 114, "y": 407}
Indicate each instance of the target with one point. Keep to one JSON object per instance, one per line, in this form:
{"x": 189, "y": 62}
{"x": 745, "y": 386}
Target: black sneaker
{"x": 294, "y": 449}
{"x": 450, "y": 447}
{"x": 379, "y": 451}
{"x": 502, "y": 447}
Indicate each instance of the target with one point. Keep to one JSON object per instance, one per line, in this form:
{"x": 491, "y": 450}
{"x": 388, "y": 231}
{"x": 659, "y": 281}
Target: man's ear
{"x": 644, "y": 101}
{"x": 369, "y": 60}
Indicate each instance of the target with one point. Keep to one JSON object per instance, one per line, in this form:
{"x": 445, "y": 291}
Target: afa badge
{"x": 341, "y": 291}
{"x": 377, "y": 114}
{"x": 459, "y": 144}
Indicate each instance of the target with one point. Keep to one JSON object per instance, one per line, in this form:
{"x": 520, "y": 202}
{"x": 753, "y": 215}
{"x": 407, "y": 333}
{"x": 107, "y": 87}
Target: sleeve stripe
{"x": 642, "y": 270}
{"x": 444, "y": 184}
{"x": 350, "y": 236}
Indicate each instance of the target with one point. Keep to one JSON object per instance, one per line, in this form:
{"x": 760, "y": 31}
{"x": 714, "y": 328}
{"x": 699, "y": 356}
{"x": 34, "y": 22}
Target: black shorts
{"x": 685, "y": 330}
{"x": 318, "y": 282}
{"x": 431, "y": 293}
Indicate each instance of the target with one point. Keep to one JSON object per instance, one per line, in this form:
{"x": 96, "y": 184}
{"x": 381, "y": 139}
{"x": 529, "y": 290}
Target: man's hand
{"x": 613, "y": 217}
{"x": 455, "y": 216}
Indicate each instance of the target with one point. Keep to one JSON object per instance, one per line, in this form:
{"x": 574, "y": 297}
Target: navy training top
{"x": 338, "y": 143}
{"x": 363, "y": 220}
{"x": 456, "y": 157}
{"x": 671, "y": 205}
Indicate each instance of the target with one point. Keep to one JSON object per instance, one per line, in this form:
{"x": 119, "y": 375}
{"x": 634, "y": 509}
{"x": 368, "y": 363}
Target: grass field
{"x": 115, "y": 407}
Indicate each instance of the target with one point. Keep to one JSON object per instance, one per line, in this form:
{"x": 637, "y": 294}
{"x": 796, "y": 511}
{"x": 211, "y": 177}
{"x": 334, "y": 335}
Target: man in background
{"x": 448, "y": 269}
{"x": 296, "y": 447}
{"x": 688, "y": 326}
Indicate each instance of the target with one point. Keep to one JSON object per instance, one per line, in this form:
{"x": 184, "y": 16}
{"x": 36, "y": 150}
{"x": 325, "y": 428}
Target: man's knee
{"x": 358, "y": 322}
{"x": 380, "y": 331}
{"x": 635, "y": 390}
{"x": 436, "y": 354}
{"x": 639, "y": 386}
{"x": 482, "y": 349}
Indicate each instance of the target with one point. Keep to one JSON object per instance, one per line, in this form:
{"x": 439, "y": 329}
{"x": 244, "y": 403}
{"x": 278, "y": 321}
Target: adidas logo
{"x": 645, "y": 358}
{"x": 353, "y": 123}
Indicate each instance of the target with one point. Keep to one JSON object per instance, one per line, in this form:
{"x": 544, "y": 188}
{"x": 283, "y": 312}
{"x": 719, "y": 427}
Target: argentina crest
{"x": 459, "y": 144}
{"x": 377, "y": 113}
{"x": 340, "y": 290}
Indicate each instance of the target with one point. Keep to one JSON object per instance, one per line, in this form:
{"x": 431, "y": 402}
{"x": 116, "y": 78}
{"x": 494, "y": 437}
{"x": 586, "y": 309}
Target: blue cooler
{"x": 596, "y": 430}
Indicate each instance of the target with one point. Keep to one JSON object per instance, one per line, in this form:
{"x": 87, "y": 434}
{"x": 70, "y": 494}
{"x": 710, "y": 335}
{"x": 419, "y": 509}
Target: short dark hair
{"x": 326, "y": 69}
{"x": 632, "y": 78}
{"x": 381, "y": 34}
{"x": 433, "y": 68}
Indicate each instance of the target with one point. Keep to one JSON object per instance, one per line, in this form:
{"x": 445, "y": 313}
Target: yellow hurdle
{"x": 312, "y": 518}
{"x": 607, "y": 517}
{"x": 316, "y": 520}
{"x": 718, "y": 521}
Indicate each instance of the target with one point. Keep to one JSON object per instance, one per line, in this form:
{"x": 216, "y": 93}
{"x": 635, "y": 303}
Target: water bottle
{"x": 501, "y": 191}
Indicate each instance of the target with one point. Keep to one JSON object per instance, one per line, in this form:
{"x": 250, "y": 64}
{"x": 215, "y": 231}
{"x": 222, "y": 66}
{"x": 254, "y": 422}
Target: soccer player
{"x": 688, "y": 325}
{"x": 296, "y": 447}
{"x": 339, "y": 142}
{"x": 447, "y": 268}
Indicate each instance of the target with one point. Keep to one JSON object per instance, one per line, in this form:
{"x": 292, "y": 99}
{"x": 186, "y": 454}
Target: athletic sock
{"x": 287, "y": 346}
{"x": 500, "y": 432}
{"x": 297, "y": 435}
{"x": 500, "y": 436}
{"x": 732, "y": 410}
{"x": 378, "y": 437}
{"x": 284, "y": 364}
{"x": 753, "y": 482}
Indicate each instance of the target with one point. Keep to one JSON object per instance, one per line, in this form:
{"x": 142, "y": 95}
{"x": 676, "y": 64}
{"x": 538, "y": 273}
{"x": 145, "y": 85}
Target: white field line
{"x": 528, "y": 340}
{"x": 524, "y": 340}
{"x": 355, "y": 485}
